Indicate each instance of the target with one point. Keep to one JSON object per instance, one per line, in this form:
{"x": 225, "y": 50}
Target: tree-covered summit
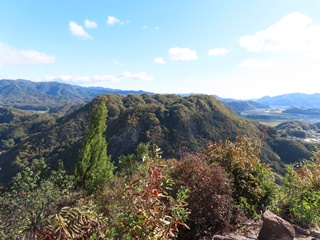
{"x": 178, "y": 125}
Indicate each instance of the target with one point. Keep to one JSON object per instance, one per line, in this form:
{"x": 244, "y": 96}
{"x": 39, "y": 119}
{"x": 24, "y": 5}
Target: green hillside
{"x": 179, "y": 125}
{"x": 240, "y": 106}
{"x": 17, "y": 124}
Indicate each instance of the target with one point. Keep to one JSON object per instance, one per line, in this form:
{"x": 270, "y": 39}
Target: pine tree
{"x": 94, "y": 166}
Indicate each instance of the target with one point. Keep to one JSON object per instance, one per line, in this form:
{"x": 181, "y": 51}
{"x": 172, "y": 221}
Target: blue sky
{"x": 239, "y": 49}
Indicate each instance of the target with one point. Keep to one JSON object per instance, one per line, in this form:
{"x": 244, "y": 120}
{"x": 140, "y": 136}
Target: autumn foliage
{"x": 252, "y": 181}
{"x": 210, "y": 200}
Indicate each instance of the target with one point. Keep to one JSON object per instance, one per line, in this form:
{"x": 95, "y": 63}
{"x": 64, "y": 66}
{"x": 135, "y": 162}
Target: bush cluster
{"x": 300, "y": 192}
{"x": 151, "y": 198}
{"x": 210, "y": 199}
{"x": 253, "y": 186}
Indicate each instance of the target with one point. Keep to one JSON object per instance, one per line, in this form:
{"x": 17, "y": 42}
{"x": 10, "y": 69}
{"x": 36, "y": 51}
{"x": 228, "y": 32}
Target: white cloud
{"x": 77, "y": 30}
{"x": 182, "y": 54}
{"x": 112, "y": 20}
{"x": 145, "y": 27}
{"x": 255, "y": 79}
{"x": 12, "y": 56}
{"x": 90, "y": 24}
{"x": 159, "y": 60}
{"x": 218, "y": 52}
{"x": 293, "y": 43}
{"x": 82, "y": 80}
{"x": 138, "y": 76}
{"x": 293, "y": 33}
{"x": 253, "y": 63}
{"x": 99, "y": 80}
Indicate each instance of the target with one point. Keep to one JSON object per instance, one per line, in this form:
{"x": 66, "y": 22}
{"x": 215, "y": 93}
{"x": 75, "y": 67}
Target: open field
{"x": 275, "y": 116}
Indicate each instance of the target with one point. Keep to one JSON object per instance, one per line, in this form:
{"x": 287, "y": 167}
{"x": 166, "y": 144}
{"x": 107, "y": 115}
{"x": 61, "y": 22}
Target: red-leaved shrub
{"x": 210, "y": 199}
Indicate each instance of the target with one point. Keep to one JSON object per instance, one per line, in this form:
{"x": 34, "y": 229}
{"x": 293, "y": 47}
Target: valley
{"x": 275, "y": 115}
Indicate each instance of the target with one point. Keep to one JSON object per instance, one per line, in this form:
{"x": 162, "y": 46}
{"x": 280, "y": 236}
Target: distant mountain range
{"x": 23, "y": 93}
{"x": 300, "y": 100}
{"x": 293, "y": 100}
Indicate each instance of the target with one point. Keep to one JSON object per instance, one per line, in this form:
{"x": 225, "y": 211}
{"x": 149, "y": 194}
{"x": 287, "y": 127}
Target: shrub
{"x": 133, "y": 163}
{"x": 210, "y": 200}
{"x": 300, "y": 201}
{"x": 139, "y": 203}
{"x": 253, "y": 184}
{"x": 75, "y": 223}
{"x": 149, "y": 210}
{"x": 34, "y": 195}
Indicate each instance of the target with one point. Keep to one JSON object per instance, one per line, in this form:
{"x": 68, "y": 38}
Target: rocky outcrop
{"x": 275, "y": 228}
{"x": 271, "y": 228}
{"x": 231, "y": 237}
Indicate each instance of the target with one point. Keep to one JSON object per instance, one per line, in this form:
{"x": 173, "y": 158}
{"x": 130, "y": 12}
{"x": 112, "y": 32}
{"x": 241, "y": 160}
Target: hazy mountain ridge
{"x": 293, "y": 99}
{"x": 25, "y": 92}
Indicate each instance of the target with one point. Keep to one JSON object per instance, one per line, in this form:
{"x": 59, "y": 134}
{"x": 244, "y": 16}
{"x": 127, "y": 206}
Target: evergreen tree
{"x": 94, "y": 166}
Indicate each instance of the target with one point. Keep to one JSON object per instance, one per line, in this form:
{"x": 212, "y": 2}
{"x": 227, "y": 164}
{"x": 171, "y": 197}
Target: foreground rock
{"x": 231, "y": 237}
{"x": 275, "y": 228}
{"x": 272, "y": 227}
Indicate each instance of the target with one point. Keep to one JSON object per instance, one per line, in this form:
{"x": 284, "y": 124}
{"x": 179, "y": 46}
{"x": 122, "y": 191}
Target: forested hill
{"x": 240, "y": 106}
{"x": 43, "y": 95}
{"x": 177, "y": 124}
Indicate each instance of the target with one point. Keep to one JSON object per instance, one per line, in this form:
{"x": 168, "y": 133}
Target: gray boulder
{"x": 231, "y": 237}
{"x": 275, "y": 228}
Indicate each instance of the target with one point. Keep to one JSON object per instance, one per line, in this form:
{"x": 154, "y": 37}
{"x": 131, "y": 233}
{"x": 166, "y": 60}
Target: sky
{"x": 234, "y": 49}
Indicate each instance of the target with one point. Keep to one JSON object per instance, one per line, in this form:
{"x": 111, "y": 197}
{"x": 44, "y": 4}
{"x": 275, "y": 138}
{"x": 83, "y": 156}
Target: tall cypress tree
{"x": 94, "y": 167}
